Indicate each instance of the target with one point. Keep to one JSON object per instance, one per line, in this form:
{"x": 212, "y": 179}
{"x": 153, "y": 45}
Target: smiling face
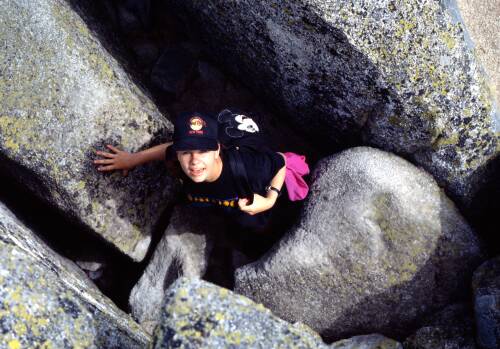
{"x": 200, "y": 165}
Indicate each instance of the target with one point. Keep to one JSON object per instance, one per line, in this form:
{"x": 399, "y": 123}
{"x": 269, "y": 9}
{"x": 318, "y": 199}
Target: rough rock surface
{"x": 47, "y": 302}
{"x": 486, "y": 286}
{"x": 452, "y": 328}
{"x": 398, "y": 74}
{"x": 378, "y": 246}
{"x": 481, "y": 17}
{"x": 61, "y": 97}
{"x": 372, "y": 341}
{"x": 184, "y": 250}
{"x": 197, "y": 314}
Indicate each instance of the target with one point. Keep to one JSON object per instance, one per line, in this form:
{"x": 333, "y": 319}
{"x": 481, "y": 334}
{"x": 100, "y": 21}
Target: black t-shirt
{"x": 261, "y": 167}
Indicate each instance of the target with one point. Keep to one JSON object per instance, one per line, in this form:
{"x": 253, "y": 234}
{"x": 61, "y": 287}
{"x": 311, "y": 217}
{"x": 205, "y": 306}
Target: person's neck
{"x": 216, "y": 171}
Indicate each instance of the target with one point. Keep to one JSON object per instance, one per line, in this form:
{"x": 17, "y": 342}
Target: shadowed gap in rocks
{"x": 205, "y": 86}
{"x": 115, "y": 273}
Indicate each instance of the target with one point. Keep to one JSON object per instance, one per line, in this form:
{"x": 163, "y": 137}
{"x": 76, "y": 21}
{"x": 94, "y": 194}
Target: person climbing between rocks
{"x": 225, "y": 166}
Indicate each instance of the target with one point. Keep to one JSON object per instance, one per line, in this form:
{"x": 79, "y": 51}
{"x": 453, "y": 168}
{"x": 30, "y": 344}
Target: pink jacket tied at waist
{"x": 296, "y": 168}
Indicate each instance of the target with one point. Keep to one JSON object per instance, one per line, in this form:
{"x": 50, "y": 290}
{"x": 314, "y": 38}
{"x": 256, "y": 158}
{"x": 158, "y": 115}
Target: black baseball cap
{"x": 195, "y": 131}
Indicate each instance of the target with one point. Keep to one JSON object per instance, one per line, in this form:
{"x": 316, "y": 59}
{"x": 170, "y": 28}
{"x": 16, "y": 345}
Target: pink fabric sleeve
{"x": 296, "y": 168}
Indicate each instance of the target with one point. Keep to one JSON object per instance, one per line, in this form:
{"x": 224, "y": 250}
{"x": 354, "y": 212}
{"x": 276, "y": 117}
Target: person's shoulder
{"x": 257, "y": 160}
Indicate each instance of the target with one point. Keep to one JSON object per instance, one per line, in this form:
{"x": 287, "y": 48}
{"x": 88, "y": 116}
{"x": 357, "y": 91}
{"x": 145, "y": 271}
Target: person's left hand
{"x": 258, "y": 205}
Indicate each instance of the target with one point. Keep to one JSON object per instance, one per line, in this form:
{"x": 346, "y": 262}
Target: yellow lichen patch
{"x": 14, "y": 344}
{"x": 444, "y": 141}
{"x": 260, "y": 307}
{"x": 16, "y": 294}
{"x": 234, "y": 338}
{"x": 219, "y": 316}
{"x": 10, "y": 144}
{"x": 440, "y": 83}
{"x": 203, "y": 291}
{"x": 82, "y": 28}
{"x": 18, "y": 131}
{"x": 409, "y": 267}
{"x": 69, "y": 42}
{"x": 96, "y": 206}
{"x": 249, "y": 339}
{"x": 223, "y": 292}
{"x": 182, "y": 323}
{"x": 20, "y": 328}
{"x": 80, "y": 185}
{"x": 448, "y": 39}
{"x": 98, "y": 63}
{"x": 404, "y": 27}
{"x": 180, "y": 309}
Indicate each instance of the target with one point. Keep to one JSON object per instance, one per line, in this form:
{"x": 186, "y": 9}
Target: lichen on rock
{"x": 378, "y": 247}
{"x": 62, "y": 97}
{"x": 197, "y": 314}
{"x": 47, "y": 302}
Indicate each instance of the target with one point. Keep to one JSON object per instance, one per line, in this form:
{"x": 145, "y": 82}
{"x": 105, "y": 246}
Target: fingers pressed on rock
{"x": 106, "y": 168}
{"x": 104, "y": 161}
{"x": 116, "y": 150}
{"x": 107, "y": 155}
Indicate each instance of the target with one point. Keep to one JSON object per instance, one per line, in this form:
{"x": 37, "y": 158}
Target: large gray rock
{"x": 452, "y": 328}
{"x": 486, "y": 286}
{"x": 62, "y": 96}
{"x": 197, "y": 314}
{"x": 395, "y": 74}
{"x": 47, "y": 302}
{"x": 184, "y": 250}
{"x": 377, "y": 247}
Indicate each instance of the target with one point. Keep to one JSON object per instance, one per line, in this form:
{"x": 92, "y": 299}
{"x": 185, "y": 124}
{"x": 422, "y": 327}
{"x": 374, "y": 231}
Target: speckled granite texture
{"x": 197, "y": 314}
{"x": 398, "y": 75}
{"x": 47, "y": 302}
{"x": 378, "y": 247}
{"x": 61, "y": 97}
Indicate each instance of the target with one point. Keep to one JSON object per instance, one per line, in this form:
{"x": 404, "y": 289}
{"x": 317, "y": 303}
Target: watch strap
{"x": 270, "y": 187}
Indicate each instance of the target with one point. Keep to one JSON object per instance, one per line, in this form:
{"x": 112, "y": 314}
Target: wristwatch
{"x": 270, "y": 187}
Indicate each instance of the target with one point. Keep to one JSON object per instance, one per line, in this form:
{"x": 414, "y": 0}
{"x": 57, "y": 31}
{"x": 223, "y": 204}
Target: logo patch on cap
{"x": 196, "y": 124}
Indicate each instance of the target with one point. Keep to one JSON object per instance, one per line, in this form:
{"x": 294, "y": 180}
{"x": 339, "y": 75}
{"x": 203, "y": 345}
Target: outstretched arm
{"x": 125, "y": 161}
{"x": 261, "y": 203}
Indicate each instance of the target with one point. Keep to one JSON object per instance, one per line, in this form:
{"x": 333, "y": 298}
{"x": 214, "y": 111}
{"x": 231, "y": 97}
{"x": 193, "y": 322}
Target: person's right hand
{"x": 117, "y": 160}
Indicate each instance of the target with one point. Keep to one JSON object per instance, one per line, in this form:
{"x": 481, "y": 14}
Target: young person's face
{"x": 199, "y": 165}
